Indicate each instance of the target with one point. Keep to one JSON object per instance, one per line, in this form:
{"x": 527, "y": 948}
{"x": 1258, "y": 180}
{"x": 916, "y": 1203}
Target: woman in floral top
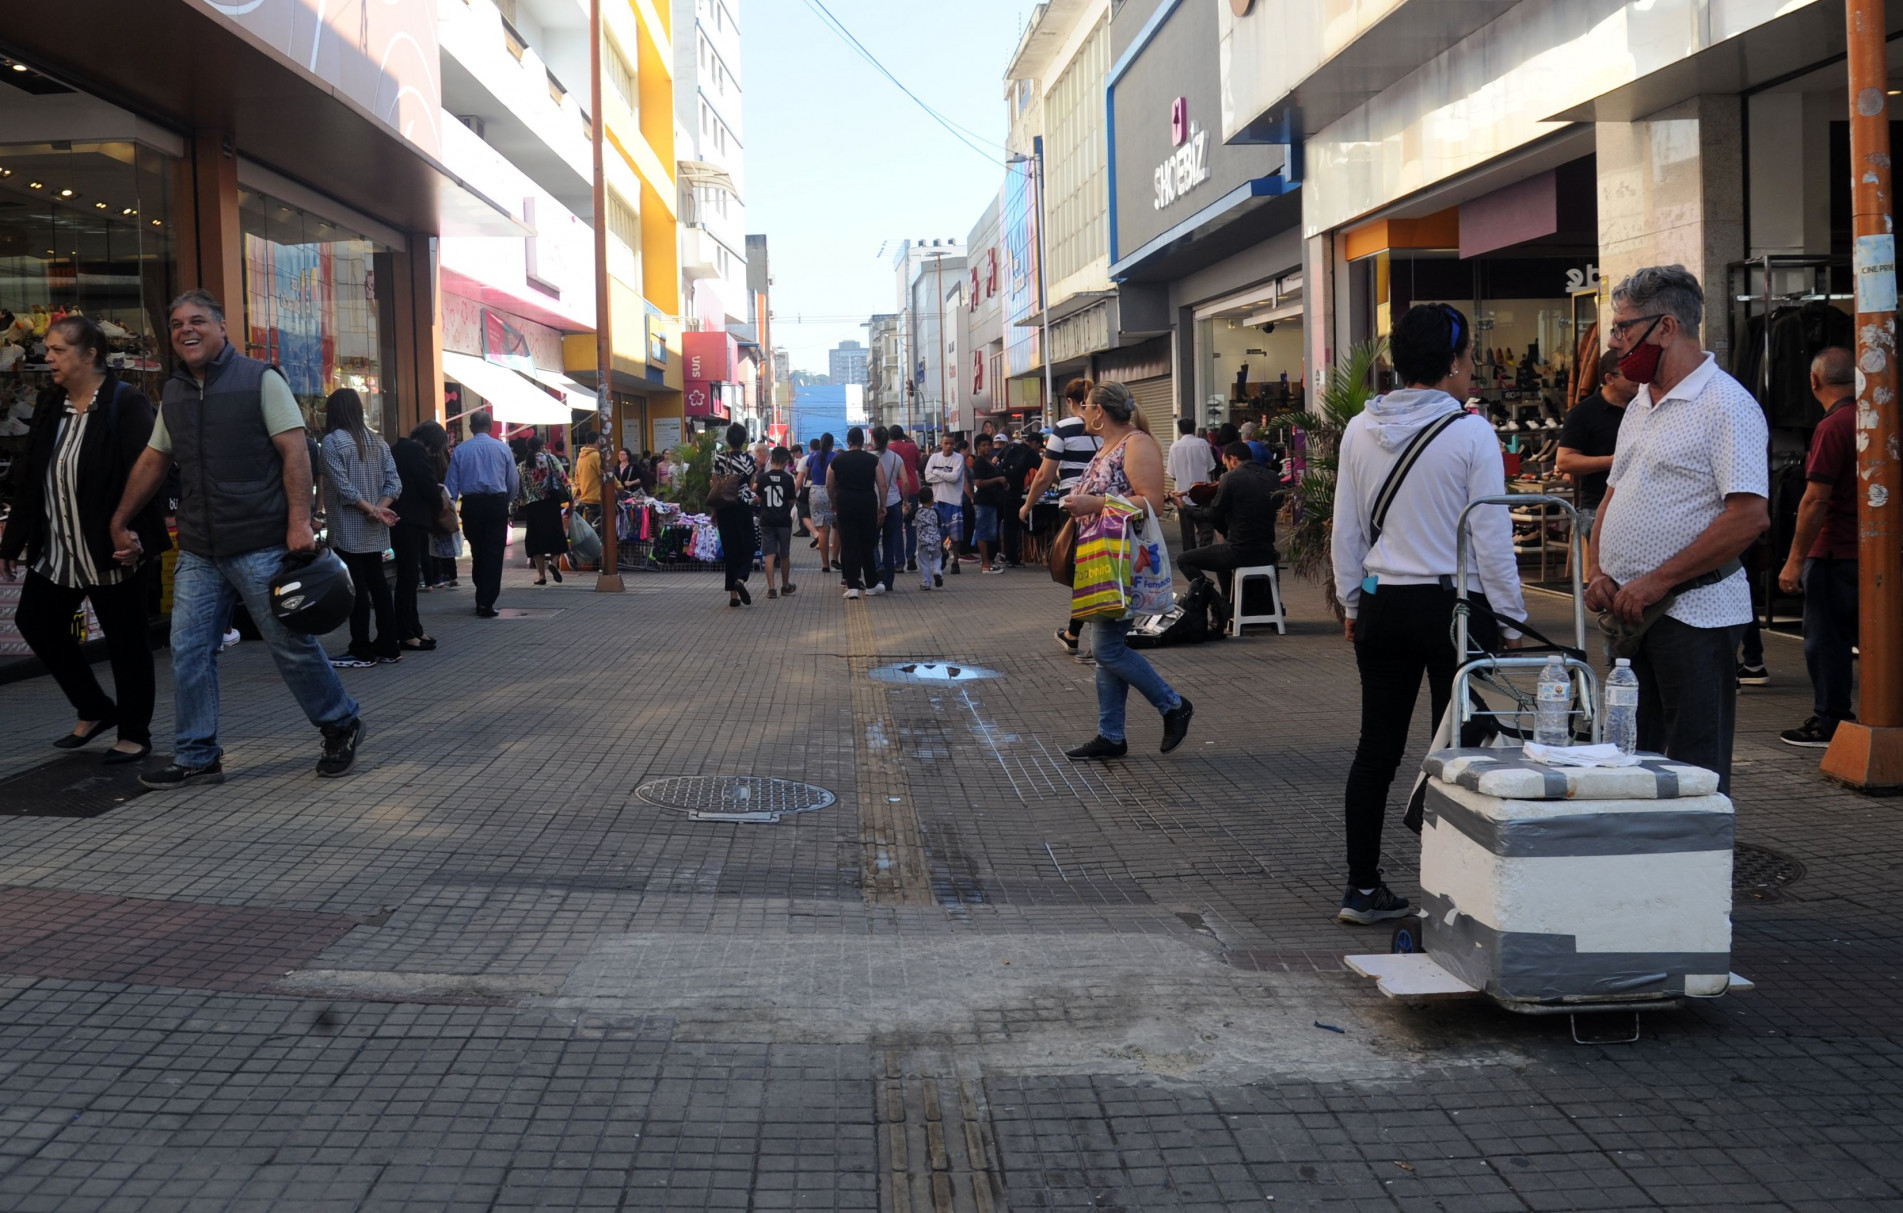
{"x": 544, "y": 488}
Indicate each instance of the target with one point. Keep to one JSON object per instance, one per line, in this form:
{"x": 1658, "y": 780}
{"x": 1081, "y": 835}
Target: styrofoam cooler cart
{"x": 1562, "y": 889}
{"x": 1567, "y": 890}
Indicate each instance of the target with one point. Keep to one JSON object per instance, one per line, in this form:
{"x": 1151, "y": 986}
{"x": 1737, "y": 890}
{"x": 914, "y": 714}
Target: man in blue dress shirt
{"x": 483, "y": 477}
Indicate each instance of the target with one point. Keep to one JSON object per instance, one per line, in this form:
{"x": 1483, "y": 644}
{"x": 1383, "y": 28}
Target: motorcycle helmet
{"x": 311, "y": 592}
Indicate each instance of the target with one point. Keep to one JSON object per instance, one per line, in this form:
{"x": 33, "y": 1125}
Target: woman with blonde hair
{"x": 1129, "y": 465}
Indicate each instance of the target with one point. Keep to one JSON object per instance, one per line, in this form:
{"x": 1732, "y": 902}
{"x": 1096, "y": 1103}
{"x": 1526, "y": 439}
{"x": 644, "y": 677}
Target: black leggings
{"x": 1401, "y": 633}
{"x": 410, "y": 542}
{"x": 45, "y": 620}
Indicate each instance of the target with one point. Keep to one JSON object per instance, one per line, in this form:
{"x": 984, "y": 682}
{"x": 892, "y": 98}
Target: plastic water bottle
{"x": 1553, "y": 725}
{"x": 1622, "y": 707}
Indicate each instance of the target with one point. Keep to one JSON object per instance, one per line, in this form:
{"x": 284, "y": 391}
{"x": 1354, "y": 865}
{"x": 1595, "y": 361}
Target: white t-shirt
{"x": 1675, "y": 463}
{"x": 1191, "y": 461}
{"x": 945, "y": 474}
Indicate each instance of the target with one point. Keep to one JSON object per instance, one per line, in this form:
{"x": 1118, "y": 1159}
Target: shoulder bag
{"x": 554, "y": 487}
{"x": 723, "y": 488}
{"x": 1397, "y": 475}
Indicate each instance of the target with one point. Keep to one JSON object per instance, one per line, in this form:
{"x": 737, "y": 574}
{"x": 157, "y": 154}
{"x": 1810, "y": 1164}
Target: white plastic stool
{"x": 1276, "y": 617}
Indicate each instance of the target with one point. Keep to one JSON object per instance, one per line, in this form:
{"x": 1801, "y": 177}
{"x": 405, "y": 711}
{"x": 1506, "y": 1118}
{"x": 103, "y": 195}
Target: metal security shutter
{"x": 1158, "y": 402}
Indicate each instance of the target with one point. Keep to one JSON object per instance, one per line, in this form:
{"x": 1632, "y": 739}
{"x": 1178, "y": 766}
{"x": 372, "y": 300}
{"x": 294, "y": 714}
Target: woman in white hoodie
{"x": 1396, "y": 581}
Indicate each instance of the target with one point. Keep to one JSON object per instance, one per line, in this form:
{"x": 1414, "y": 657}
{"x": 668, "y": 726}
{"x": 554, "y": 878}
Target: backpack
{"x": 1197, "y": 618}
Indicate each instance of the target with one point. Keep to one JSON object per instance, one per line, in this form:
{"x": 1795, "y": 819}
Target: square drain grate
{"x": 75, "y": 785}
{"x": 528, "y": 612}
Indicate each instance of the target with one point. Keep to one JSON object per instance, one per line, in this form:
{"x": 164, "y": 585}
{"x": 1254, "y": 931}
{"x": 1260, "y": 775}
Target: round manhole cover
{"x": 733, "y": 797}
{"x": 941, "y": 671}
{"x": 1759, "y": 872}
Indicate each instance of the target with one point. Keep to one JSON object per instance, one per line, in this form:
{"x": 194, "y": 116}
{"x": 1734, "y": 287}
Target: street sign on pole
{"x": 1868, "y": 752}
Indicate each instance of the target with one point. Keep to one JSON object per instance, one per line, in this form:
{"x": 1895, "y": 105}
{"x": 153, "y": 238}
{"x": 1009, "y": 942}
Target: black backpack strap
{"x": 1397, "y": 474}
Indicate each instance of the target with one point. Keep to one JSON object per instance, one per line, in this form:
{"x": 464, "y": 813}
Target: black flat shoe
{"x": 540, "y": 581}
{"x": 72, "y": 741}
{"x": 1098, "y": 747}
{"x": 1176, "y": 724}
{"x": 119, "y": 757}
{"x": 556, "y": 574}
{"x": 744, "y": 596}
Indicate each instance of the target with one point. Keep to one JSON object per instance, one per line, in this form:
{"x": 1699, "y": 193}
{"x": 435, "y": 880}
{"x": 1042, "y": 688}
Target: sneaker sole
{"x": 1754, "y": 682}
{"x": 1366, "y": 918}
{"x": 1806, "y": 745}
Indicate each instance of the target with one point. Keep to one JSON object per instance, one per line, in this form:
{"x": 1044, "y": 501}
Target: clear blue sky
{"x": 840, "y": 161}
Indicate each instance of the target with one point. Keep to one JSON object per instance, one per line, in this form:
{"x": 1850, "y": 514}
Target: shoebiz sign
{"x": 1167, "y": 159}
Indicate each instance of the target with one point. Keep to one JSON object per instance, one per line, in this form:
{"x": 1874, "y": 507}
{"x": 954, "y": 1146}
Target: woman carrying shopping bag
{"x": 1129, "y": 466}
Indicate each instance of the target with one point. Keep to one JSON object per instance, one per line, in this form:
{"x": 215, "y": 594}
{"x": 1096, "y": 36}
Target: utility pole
{"x": 938, "y": 303}
{"x": 608, "y": 580}
{"x": 1868, "y": 752}
{"x": 1043, "y": 296}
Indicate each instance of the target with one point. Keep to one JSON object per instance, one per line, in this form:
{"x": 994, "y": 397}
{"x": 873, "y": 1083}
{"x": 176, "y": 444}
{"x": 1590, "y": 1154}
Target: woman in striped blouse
{"x": 88, "y": 430}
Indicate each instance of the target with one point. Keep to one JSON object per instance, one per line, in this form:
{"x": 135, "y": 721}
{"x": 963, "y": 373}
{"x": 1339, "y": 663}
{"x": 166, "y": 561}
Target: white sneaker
{"x": 230, "y": 639}
{"x": 876, "y": 590}
{"x": 850, "y": 594}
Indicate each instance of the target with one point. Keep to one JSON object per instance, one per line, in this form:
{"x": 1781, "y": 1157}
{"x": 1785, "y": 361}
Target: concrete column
{"x": 211, "y": 247}
{"x": 1671, "y": 191}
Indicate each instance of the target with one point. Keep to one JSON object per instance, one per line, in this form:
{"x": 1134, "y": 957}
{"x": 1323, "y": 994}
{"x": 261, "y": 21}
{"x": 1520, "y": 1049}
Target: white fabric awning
{"x": 581, "y": 399}
{"x": 509, "y": 397}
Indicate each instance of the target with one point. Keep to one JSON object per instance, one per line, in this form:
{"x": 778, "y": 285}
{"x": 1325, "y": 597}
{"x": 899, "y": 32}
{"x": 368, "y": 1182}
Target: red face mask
{"x": 1641, "y": 362}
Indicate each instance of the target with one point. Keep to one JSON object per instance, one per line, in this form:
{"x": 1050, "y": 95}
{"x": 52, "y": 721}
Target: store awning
{"x": 510, "y": 398}
{"x": 581, "y": 399}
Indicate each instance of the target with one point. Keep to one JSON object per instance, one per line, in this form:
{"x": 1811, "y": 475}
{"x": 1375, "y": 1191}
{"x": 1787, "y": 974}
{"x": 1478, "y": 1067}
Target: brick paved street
{"x": 482, "y": 974}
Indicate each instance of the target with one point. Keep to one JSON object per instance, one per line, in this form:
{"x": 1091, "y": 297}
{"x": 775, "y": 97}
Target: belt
{"x": 1372, "y": 582}
{"x": 466, "y": 496}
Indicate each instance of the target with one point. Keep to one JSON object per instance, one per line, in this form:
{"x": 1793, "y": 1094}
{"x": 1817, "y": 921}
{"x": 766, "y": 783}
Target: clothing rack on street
{"x": 1782, "y": 309}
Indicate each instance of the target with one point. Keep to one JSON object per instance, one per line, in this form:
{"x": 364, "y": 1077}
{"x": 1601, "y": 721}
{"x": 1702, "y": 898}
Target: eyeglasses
{"x": 1619, "y": 328}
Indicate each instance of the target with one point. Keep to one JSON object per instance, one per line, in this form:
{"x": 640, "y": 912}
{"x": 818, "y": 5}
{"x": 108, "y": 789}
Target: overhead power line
{"x": 969, "y": 138}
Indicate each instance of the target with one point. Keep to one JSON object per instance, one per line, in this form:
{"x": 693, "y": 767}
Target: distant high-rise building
{"x": 847, "y": 363}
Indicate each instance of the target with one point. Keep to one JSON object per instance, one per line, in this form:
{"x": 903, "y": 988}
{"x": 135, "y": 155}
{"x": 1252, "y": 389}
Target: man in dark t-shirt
{"x": 988, "y": 491}
{"x": 1591, "y": 436}
{"x": 1823, "y": 559}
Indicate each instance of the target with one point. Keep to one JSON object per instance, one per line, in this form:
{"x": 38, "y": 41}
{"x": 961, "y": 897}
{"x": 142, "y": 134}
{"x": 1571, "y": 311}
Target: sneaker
{"x": 176, "y": 776}
{"x": 1176, "y": 724}
{"x": 1098, "y": 747}
{"x": 954, "y": 568}
{"x": 788, "y": 588}
{"x": 350, "y": 661}
{"x": 1753, "y": 675}
{"x": 392, "y": 659}
{"x": 850, "y": 594}
{"x": 772, "y": 593}
{"x": 938, "y": 581}
{"x": 911, "y": 566}
{"x": 340, "y": 747}
{"x": 925, "y": 586}
{"x": 1067, "y": 640}
{"x": 996, "y": 568}
{"x": 1813, "y": 734}
{"x": 876, "y": 590}
{"x": 231, "y": 638}
{"x": 1377, "y": 906}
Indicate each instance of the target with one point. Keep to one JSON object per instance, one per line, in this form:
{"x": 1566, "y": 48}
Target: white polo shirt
{"x": 1676, "y": 462}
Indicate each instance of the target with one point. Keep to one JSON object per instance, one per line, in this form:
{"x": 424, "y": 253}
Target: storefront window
{"x": 318, "y": 306}
{"x": 1249, "y": 367}
{"x": 84, "y": 227}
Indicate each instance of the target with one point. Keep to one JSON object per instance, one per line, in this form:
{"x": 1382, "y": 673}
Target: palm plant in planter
{"x": 690, "y": 487}
{"x": 1312, "y": 497}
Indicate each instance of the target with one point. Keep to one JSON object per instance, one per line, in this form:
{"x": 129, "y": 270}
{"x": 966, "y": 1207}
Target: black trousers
{"x": 858, "y": 541}
{"x": 1400, "y": 634}
{"x": 410, "y": 542}
{"x": 737, "y": 542}
{"x": 1011, "y": 531}
{"x": 373, "y": 598}
{"x": 1223, "y": 559}
{"x": 45, "y": 620}
{"x": 1688, "y": 693}
{"x": 1195, "y": 534}
{"x": 486, "y": 527}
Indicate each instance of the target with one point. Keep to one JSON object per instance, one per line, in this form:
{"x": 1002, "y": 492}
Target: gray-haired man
{"x": 1687, "y": 495}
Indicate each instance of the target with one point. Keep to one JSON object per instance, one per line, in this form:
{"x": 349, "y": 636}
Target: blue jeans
{"x": 892, "y": 544}
{"x": 1830, "y": 629}
{"x": 985, "y": 527}
{"x": 1120, "y": 667}
{"x": 202, "y": 596}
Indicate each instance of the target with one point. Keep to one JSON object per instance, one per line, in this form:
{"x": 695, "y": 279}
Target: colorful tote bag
{"x": 1101, "y": 589}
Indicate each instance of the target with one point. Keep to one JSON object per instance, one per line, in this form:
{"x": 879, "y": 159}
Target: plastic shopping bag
{"x": 1152, "y": 591}
{"x": 1101, "y": 587}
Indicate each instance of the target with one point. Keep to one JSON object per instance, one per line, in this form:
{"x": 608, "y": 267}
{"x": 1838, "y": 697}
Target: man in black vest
{"x": 236, "y": 434}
